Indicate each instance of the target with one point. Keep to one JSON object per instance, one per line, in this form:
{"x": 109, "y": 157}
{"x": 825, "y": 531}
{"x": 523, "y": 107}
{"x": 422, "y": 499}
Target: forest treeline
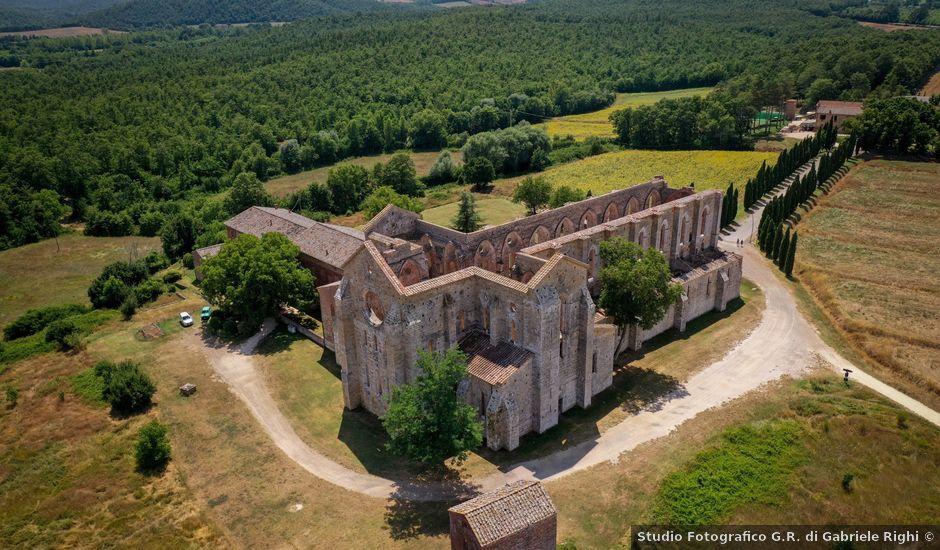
{"x": 151, "y": 124}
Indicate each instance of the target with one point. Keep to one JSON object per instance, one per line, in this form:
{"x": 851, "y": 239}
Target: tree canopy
{"x": 467, "y": 218}
{"x": 636, "y": 284}
{"x": 426, "y": 420}
{"x": 533, "y": 192}
{"x": 250, "y": 278}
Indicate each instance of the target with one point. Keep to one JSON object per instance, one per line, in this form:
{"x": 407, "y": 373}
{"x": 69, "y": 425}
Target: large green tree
{"x": 534, "y": 193}
{"x": 399, "y": 174}
{"x": 636, "y": 285}
{"x": 247, "y": 191}
{"x": 467, "y": 218}
{"x": 251, "y": 278}
{"x": 384, "y": 196}
{"x": 348, "y": 185}
{"x": 425, "y": 420}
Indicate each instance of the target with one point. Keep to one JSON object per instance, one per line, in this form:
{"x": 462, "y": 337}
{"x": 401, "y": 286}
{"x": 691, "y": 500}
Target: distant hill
{"x": 158, "y": 13}
{"x": 135, "y": 14}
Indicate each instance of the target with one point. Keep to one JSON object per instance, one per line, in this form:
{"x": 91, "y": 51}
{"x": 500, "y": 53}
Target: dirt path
{"x": 783, "y": 344}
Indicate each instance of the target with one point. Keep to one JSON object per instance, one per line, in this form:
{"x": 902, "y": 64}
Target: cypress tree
{"x": 734, "y": 204}
{"x": 774, "y": 242}
{"x": 783, "y": 250}
{"x": 791, "y": 256}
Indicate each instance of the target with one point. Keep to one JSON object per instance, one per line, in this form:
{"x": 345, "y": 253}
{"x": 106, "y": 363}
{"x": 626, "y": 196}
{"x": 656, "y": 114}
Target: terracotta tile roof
{"x": 259, "y": 220}
{"x": 508, "y": 510}
{"x": 494, "y": 365}
{"x": 846, "y": 108}
{"x": 328, "y": 243}
{"x": 331, "y": 244}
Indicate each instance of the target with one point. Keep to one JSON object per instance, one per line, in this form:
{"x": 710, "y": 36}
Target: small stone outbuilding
{"x": 518, "y": 516}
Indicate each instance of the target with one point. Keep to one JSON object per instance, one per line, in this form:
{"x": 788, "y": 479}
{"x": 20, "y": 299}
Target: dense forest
{"x": 146, "y": 125}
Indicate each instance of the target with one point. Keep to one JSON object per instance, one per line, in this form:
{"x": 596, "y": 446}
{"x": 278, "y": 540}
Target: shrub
{"x": 153, "y": 448}
{"x": 126, "y": 387}
{"x": 847, "y": 482}
{"x": 12, "y": 395}
{"x": 35, "y": 320}
{"x": 99, "y": 223}
{"x": 64, "y": 333}
{"x": 171, "y": 277}
{"x": 151, "y": 223}
{"x": 902, "y": 420}
{"x": 188, "y": 261}
{"x": 110, "y": 288}
{"x": 149, "y": 290}
{"x": 129, "y": 307}
{"x": 156, "y": 261}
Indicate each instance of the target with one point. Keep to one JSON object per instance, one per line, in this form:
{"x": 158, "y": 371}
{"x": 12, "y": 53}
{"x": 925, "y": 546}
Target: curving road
{"x": 784, "y": 343}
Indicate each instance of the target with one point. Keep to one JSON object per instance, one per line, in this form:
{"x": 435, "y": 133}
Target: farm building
{"x": 518, "y": 515}
{"x": 836, "y": 112}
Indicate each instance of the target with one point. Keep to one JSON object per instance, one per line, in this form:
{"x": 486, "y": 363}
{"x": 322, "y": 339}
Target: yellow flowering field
{"x": 597, "y": 123}
{"x": 707, "y": 169}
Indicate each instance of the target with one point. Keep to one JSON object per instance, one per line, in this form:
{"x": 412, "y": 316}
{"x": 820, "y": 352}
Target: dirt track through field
{"x": 784, "y": 344}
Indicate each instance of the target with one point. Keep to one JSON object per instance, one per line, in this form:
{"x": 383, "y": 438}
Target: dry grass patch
{"x": 50, "y": 273}
{"x": 867, "y": 254}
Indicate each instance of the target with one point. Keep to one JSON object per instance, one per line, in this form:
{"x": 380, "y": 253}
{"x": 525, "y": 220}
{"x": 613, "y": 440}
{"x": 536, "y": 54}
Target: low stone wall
{"x": 306, "y": 332}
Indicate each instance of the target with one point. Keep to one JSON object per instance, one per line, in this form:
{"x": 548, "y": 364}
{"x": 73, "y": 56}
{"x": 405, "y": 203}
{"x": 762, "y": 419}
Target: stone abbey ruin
{"x": 517, "y": 298}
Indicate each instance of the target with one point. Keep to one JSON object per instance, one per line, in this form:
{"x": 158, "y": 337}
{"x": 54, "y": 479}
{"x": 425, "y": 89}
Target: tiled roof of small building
{"x": 849, "y": 108}
{"x": 207, "y": 252}
{"x": 508, "y": 510}
{"x": 494, "y": 365}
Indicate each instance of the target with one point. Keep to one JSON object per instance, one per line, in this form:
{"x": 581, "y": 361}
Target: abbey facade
{"x": 517, "y": 298}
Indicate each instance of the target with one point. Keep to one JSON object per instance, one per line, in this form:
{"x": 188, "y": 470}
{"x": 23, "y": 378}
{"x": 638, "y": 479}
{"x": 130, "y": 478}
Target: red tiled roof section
{"x": 508, "y": 510}
{"x": 494, "y": 365}
{"x": 259, "y": 220}
{"x": 845, "y": 108}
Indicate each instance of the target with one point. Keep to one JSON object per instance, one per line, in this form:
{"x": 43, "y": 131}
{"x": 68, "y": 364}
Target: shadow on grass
{"x": 409, "y": 518}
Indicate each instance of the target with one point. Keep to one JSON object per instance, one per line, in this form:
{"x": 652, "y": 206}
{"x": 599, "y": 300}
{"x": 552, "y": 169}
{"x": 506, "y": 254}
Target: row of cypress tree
{"x": 729, "y": 205}
{"x": 775, "y": 240}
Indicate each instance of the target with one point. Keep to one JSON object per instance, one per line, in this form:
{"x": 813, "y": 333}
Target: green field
{"x": 706, "y": 169}
{"x": 493, "y": 211}
{"x": 58, "y": 271}
{"x": 597, "y": 123}
{"x": 285, "y": 185}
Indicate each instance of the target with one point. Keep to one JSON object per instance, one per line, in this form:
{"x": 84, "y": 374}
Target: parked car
{"x": 186, "y": 320}
{"x": 206, "y": 313}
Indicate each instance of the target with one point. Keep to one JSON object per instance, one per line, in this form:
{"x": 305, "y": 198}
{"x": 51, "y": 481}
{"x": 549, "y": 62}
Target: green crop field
{"x": 597, "y": 123}
{"x": 706, "y": 169}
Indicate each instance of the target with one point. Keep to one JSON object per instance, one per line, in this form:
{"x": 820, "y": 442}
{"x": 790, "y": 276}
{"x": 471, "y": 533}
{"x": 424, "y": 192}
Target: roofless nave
{"x": 517, "y": 297}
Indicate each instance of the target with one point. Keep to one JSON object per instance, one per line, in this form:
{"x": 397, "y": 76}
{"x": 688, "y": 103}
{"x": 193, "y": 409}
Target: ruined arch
{"x": 662, "y": 243}
{"x": 705, "y": 227}
{"x": 564, "y": 227}
{"x": 643, "y": 238}
{"x": 374, "y": 309}
{"x": 540, "y": 235}
{"x": 612, "y": 212}
{"x": 434, "y": 262}
{"x": 633, "y": 206}
{"x": 485, "y": 256}
{"x": 588, "y": 219}
{"x": 511, "y": 244}
{"x": 592, "y": 263}
{"x": 685, "y": 235}
{"x": 450, "y": 258}
{"x": 410, "y": 273}
{"x": 653, "y": 199}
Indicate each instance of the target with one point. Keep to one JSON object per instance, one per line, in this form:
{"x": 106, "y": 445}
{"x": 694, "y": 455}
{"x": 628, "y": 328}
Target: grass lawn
{"x": 597, "y": 123}
{"x": 706, "y": 169}
{"x": 816, "y": 430}
{"x": 45, "y": 273}
{"x": 285, "y": 185}
{"x": 492, "y": 210}
{"x": 868, "y": 257}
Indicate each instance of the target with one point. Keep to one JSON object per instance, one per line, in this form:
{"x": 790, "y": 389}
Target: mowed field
{"x": 50, "y": 273}
{"x": 869, "y": 255}
{"x": 597, "y": 123}
{"x": 285, "y": 185}
{"x": 706, "y": 169}
{"x": 492, "y": 211}
{"x": 60, "y": 32}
